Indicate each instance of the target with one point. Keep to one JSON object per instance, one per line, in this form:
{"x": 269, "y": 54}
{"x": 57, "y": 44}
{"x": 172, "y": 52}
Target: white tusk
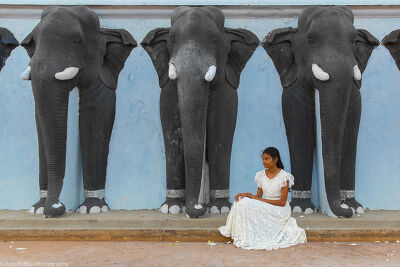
{"x": 319, "y": 73}
{"x": 26, "y": 75}
{"x": 67, "y": 74}
{"x": 172, "y": 72}
{"x": 210, "y": 73}
{"x": 356, "y": 73}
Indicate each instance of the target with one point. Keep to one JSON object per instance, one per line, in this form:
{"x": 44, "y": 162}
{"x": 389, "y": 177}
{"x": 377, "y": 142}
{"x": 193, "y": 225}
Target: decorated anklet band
{"x": 179, "y": 193}
{"x": 43, "y": 193}
{"x": 347, "y": 194}
{"x": 301, "y": 194}
{"x": 219, "y": 194}
{"x": 95, "y": 194}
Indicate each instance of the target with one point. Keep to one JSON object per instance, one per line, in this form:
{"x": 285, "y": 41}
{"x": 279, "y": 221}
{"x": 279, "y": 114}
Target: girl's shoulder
{"x": 286, "y": 176}
{"x": 260, "y": 173}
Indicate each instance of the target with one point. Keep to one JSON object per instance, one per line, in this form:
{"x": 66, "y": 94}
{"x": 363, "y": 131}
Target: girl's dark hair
{"x": 274, "y": 153}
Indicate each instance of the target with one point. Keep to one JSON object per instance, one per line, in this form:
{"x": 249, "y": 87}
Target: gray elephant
{"x": 69, "y": 49}
{"x": 198, "y": 62}
{"x": 7, "y": 44}
{"x": 325, "y": 52}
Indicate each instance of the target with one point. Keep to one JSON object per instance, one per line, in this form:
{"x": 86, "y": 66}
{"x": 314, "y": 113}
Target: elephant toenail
{"x": 164, "y": 208}
{"x": 214, "y": 210}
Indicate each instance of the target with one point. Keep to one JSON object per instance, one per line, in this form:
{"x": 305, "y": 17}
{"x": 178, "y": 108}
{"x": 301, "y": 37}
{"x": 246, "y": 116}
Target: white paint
{"x": 353, "y": 210}
{"x": 356, "y": 73}
{"x": 198, "y": 206}
{"x": 187, "y": 216}
{"x": 225, "y": 210}
{"x": 31, "y": 210}
{"x": 184, "y": 209}
{"x": 297, "y": 209}
{"x": 344, "y": 206}
{"x": 360, "y": 210}
{"x": 174, "y": 209}
{"x": 319, "y": 73}
{"x": 210, "y": 73}
{"x": 323, "y": 199}
{"x": 104, "y": 208}
{"x": 95, "y": 209}
{"x": 56, "y": 205}
{"x": 172, "y": 72}
{"x": 40, "y": 210}
{"x": 26, "y": 75}
{"x": 164, "y": 208}
{"x": 82, "y": 209}
{"x": 214, "y": 210}
{"x": 67, "y": 74}
{"x": 308, "y": 211}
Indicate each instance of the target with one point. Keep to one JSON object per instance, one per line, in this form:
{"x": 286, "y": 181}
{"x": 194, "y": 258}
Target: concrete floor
{"x": 72, "y": 253}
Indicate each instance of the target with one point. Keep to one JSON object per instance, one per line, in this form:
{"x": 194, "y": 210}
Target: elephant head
{"x": 392, "y": 43}
{"x": 69, "y": 49}
{"x": 199, "y": 57}
{"x": 327, "y": 53}
{"x": 7, "y": 44}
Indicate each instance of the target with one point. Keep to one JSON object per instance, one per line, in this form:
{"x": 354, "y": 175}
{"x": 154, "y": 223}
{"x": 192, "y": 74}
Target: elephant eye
{"x": 310, "y": 41}
{"x": 76, "y": 39}
{"x": 215, "y": 41}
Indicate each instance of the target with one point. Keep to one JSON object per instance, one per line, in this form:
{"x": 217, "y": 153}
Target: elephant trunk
{"x": 51, "y": 105}
{"x": 334, "y": 103}
{"x": 193, "y": 104}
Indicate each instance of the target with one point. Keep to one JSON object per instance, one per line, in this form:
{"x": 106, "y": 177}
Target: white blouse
{"x": 272, "y": 187}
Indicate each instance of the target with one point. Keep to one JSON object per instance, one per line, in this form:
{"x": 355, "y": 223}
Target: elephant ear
{"x": 119, "y": 44}
{"x": 243, "y": 43}
{"x": 365, "y": 43}
{"x": 155, "y": 43}
{"x": 278, "y": 45}
{"x": 392, "y": 43}
{"x": 29, "y": 44}
{"x": 8, "y": 39}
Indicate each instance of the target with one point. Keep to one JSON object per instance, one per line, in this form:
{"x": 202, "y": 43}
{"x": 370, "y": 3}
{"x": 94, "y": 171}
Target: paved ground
{"x": 71, "y": 253}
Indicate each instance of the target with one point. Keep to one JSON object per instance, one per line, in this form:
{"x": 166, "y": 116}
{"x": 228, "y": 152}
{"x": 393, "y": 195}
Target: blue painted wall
{"x": 136, "y": 171}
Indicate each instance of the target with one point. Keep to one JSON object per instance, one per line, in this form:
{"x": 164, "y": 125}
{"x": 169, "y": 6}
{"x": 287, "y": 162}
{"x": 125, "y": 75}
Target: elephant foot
{"x": 173, "y": 206}
{"x": 53, "y": 210}
{"x": 302, "y": 205}
{"x": 38, "y": 207}
{"x": 93, "y": 205}
{"x": 220, "y": 205}
{"x": 354, "y": 205}
{"x": 195, "y": 210}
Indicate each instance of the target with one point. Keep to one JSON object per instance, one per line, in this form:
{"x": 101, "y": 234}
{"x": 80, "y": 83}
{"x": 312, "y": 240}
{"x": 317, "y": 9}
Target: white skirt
{"x": 253, "y": 224}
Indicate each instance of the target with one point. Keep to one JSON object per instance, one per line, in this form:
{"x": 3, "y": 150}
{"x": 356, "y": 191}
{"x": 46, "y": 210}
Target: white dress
{"x": 253, "y": 224}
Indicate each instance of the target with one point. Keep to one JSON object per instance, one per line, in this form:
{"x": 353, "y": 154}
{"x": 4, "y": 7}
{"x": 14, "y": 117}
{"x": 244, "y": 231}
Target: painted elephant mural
{"x": 392, "y": 43}
{"x": 325, "y": 52}
{"x": 7, "y": 44}
{"x": 198, "y": 62}
{"x": 69, "y": 49}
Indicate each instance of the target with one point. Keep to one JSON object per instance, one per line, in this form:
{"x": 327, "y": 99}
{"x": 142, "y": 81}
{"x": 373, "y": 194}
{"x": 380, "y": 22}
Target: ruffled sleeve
{"x": 258, "y": 179}
{"x": 286, "y": 177}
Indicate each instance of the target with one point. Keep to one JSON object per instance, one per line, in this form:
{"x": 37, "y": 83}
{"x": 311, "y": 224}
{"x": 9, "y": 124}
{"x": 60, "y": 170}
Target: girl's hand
{"x": 241, "y": 195}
